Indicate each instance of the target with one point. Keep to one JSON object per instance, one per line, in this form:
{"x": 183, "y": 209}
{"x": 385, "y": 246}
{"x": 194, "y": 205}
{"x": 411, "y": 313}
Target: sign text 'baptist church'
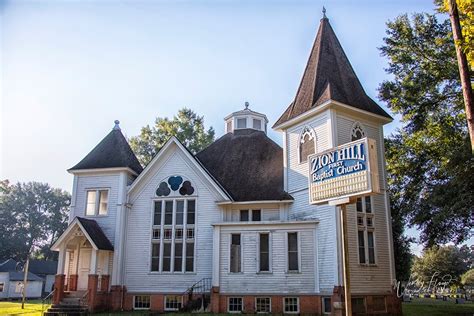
{"x": 345, "y": 171}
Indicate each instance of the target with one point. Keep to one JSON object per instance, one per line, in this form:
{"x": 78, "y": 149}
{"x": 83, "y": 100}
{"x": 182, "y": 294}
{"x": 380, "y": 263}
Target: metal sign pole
{"x": 345, "y": 257}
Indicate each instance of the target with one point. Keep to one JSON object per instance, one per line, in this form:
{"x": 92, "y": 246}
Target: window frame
{"x": 287, "y": 246}
{"x": 250, "y": 214}
{"x": 306, "y": 130}
{"x": 253, "y": 124}
{"x": 270, "y": 254}
{"x": 184, "y": 239}
{"x": 270, "y": 304}
{"x": 97, "y": 202}
{"x": 241, "y": 254}
{"x": 237, "y": 119}
{"x": 2, "y": 287}
{"x": 241, "y": 304}
{"x": 169, "y": 309}
{"x": 141, "y": 308}
{"x": 361, "y": 213}
{"x": 297, "y": 305}
{"x": 323, "y": 305}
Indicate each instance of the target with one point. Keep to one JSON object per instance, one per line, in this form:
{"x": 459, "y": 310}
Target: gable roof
{"x": 43, "y": 266}
{"x": 248, "y": 164}
{"x": 19, "y": 276}
{"x": 196, "y": 163}
{"x": 7, "y": 265}
{"x": 112, "y": 152}
{"x": 96, "y": 234}
{"x": 92, "y": 232}
{"x": 329, "y": 76}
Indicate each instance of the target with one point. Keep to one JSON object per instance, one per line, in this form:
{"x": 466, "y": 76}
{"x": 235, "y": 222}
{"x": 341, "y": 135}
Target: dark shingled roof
{"x": 329, "y": 76}
{"x": 19, "y": 276}
{"x": 112, "y": 152}
{"x": 248, "y": 164}
{"x": 43, "y": 266}
{"x": 97, "y": 235}
{"x": 7, "y": 265}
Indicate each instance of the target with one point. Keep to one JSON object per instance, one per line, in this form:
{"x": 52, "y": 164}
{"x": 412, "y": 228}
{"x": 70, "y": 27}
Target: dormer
{"x": 246, "y": 119}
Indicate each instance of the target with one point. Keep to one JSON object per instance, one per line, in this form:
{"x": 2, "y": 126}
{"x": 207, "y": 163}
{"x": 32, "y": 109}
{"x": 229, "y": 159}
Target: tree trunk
{"x": 463, "y": 70}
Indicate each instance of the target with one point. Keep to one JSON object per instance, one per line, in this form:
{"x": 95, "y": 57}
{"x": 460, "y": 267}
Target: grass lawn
{"x": 431, "y": 307}
{"x": 32, "y": 308}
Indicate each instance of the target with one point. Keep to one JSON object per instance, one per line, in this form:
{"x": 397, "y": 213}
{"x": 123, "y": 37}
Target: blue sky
{"x": 70, "y": 68}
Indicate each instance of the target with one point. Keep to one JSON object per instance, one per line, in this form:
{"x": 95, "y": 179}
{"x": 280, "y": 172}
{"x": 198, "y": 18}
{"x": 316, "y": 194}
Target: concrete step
{"x": 62, "y": 313}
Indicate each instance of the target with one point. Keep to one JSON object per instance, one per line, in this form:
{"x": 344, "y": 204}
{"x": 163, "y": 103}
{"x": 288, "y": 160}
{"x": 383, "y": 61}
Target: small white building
{"x": 233, "y": 224}
{"x": 11, "y": 282}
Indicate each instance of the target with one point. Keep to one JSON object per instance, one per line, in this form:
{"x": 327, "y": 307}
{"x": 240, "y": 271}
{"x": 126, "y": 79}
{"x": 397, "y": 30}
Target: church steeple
{"x": 328, "y": 76}
{"x": 246, "y": 119}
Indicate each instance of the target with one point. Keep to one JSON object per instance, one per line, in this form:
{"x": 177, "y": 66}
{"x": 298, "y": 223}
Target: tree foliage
{"x": 187, "y": 126}
{"x": 468, "y": 278}
{"x": 466, "y": 19}
{"x": 32, "y": 216}
{"x": 439, "y": 262}
{"x": 429, "y": 158}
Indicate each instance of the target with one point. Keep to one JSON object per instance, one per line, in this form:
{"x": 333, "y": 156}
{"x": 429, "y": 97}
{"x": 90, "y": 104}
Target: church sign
{"x": 348, "y": 170}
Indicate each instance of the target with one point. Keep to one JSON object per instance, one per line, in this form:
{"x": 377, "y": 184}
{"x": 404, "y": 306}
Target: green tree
{"x": 32, "y": 216}
{"x": 468, "y": 278}
{"x": 187, "y": 126}
{"x": 439, "y": 262}
{"x": 429, "y": 158}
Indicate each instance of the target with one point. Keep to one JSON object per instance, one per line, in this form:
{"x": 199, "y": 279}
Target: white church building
{"x": 231, "y": 229}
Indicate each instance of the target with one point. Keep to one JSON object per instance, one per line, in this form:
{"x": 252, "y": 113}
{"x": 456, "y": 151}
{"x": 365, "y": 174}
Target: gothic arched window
{"x": 307, "y": 144}
{"x": 357, "y": 131}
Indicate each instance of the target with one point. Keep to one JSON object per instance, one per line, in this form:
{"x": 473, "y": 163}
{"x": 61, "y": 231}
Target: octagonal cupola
{"x": 246, "y": 119}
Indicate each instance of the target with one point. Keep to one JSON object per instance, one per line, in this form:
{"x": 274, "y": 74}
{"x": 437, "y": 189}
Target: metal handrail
{"x": 44, "y": 299}
{"x": 83, "y": 298}
{"x": 199, "y": 284}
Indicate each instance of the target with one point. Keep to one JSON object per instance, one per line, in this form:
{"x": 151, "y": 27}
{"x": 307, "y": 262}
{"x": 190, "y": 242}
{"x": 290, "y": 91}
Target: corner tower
{"x": 331, "y": 108}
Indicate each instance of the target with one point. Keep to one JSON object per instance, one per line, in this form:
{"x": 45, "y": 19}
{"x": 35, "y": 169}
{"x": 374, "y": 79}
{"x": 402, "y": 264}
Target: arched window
{"x": 307, "y": 144}
{"x": 357, "y": 131}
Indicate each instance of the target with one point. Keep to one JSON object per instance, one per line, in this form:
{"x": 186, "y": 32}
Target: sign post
{"x": 345, "y": 257}
{"x": 336, "y": 177}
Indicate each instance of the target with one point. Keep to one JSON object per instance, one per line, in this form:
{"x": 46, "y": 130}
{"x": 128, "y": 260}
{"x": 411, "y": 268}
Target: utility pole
{"x": 463, "y": 69}
{"x": 25, "y": 280}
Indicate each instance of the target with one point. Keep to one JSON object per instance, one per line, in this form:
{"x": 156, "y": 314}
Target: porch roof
{"x": 92, "y": 232}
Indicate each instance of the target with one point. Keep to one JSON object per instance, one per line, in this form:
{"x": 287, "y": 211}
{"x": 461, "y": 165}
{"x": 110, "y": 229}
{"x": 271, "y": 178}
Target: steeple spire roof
{"x": 329, "y": 76}
{"x": 112, "y": 152}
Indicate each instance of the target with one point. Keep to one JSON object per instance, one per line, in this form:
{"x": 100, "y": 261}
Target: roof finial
{"x": 117, "y": 127}
{"x": 324, "y": 13}
{"x": 246, "y": 105}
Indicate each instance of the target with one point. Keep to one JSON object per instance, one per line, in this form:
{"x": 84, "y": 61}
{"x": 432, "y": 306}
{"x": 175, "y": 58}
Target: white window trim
{"x": 2, "y": 287}
{"x": 141, "y": 308}
{"x": 270, "y": 298}
{"x": 180, "y": 297}
{"x": 297, "y": 302}
{"x": 298, "y": 239}
{"x": 357, "y": 125}
{"x": 270, "y": 253}
{"x": 173, "y": 234}
{"x": 324, "y": 304}
{"x": 241, "y": 252}
{"x": 228, "y": 304}
{"x": 366, "y": 229}
{"x": 97, "y": 202}
{"x": 306, "y": 130}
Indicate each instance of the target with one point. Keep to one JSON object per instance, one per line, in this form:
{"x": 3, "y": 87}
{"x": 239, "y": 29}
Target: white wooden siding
{"x": 297, "y": 173}
{"x": 249, "y": 281}
{"x": 5, "y": 279}
{"x": 107, "y": 181}
{"x": 326, "y": 235}
{"x": 33, "y": 289}
{"x": 138, "y": 277}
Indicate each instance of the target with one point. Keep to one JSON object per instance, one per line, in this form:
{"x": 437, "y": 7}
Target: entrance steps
{"x": 70, "y": 305}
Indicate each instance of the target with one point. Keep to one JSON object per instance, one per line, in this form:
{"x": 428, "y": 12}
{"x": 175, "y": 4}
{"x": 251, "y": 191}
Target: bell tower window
{"x": 307, "y": 144}
{"x": 357, "y": 132}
